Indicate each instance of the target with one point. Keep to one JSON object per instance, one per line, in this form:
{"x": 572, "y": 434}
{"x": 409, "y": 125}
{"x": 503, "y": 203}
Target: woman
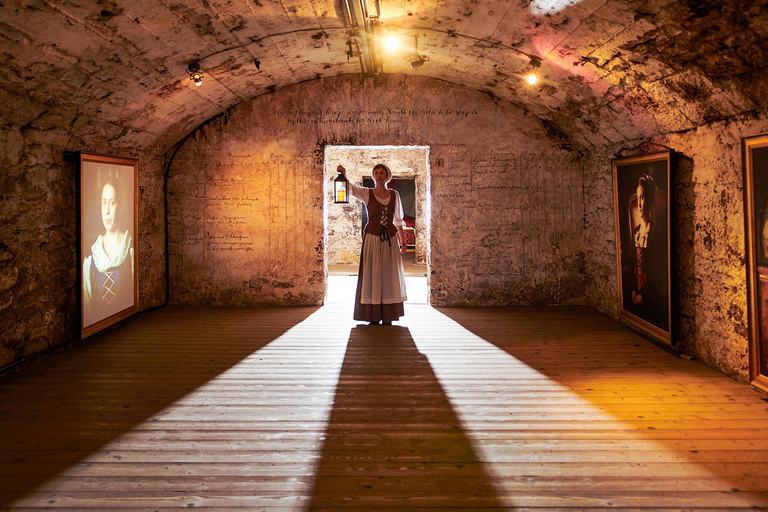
{"x": 649, "y": 279}
{"x": 108, "y": 270}
{"x": 380, "y": 281}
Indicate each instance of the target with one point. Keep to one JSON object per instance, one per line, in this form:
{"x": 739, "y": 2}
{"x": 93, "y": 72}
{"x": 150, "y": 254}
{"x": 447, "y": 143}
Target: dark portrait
{"x": 642, "y": 227}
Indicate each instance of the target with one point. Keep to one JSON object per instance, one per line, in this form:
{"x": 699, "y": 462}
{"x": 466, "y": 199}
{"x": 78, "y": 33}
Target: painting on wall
{"x": 755, "y": 160}
{"x": 643, "y": 253}
{"x": 108, "y": 201}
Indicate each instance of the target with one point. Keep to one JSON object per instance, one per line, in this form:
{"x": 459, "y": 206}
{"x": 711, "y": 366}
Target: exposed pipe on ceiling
{"x": 357, "y": 12}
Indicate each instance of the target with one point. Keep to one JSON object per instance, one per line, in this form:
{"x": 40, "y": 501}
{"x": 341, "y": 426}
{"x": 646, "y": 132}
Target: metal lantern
{"x": 340, "y": 189}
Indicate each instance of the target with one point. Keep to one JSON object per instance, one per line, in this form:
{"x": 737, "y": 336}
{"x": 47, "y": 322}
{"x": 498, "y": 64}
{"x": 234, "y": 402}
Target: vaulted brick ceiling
{"x": 610, "y": 70}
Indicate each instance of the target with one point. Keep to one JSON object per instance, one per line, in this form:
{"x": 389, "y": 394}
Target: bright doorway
{"x": 343, "y": 223}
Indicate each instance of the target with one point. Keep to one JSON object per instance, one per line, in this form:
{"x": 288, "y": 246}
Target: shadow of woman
{"x": 393, "y": 439}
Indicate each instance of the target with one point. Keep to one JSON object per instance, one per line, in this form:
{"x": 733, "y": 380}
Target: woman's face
{"x": 380, "y": 175}
{"x": 641, "y": 202}
{"x": 109, "y": 207}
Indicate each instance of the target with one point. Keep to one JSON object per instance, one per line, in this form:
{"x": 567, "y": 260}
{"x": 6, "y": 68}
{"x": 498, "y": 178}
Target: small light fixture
{"x": 257, "y": 63}
{"x": 418, "y": 60}
{"x": 340, "y": 189}
{"x": 391, "y": 43}
{"x": 195, "y": 74}
{"x": 533, "y": 65}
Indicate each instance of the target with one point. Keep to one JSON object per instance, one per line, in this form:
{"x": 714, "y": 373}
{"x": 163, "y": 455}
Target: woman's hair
{"x": 389, "y": 173}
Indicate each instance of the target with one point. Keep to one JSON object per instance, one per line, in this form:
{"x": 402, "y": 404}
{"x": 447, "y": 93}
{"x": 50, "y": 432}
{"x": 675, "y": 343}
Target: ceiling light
{"x": 531, "y": 79}
{"x": 391, "y": 43}
{"x": 417, "y": 63}
{"x": 195, "y": 74}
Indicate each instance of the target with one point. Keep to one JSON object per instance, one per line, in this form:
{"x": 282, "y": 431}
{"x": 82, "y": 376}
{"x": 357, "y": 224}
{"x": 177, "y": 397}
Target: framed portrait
{"x": 108, "y": 277}
{"x": 641, "y": 197}
{"x": 755, "y": 161}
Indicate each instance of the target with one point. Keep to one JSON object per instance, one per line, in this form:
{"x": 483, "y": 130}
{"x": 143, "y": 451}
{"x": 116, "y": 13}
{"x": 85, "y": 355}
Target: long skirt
{"x": 380, "y": 281}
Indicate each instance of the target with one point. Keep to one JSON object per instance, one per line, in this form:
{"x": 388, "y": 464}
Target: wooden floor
{"x": 302, "y": 409}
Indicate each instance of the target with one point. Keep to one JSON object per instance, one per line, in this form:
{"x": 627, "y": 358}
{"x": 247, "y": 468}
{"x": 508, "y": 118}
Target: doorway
{"x": 343, "y": 223}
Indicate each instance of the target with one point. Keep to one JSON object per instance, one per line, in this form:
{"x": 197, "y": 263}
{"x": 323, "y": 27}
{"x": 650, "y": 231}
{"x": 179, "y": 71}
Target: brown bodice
{"x": 375, "y": 211}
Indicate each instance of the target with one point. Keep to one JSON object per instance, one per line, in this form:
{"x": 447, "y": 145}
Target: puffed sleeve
{"x": 359, "y": 193}
{"x": 398, "y": 220}
{"x": 87, "y": 287}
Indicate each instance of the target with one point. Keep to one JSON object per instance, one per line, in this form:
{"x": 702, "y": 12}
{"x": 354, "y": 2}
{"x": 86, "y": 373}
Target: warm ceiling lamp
{"x": 535, "y": 63}
{"x": 391, "y": 43}
{"x": 195, "y": 73}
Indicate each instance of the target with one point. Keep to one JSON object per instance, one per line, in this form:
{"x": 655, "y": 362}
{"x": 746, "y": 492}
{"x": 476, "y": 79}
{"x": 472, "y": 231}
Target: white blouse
{"x": 641, "y": 236}
{"x": 364, "y": 194}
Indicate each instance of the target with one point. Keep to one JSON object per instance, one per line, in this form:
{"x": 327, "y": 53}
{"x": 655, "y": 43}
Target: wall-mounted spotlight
{"x": 195, "y": 74}
{"x": 533, "y": 65}
{"x": 418, "y": 60}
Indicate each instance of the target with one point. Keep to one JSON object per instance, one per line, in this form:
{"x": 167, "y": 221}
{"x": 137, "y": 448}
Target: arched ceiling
{"x": 609, "y": 70}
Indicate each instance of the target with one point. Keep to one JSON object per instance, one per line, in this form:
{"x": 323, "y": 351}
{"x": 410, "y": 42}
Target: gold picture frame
{"x": 641, "y": 194}
{"x": 755, "y": 166}
{"x": 108, "y": 256}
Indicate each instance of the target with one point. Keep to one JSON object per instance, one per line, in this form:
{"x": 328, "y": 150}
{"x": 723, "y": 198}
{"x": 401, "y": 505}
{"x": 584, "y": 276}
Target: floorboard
{"x": 277, "y": 409}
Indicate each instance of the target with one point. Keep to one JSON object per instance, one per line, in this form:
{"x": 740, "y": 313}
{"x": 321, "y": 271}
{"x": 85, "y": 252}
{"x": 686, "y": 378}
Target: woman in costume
{"x": 381, "y": 279}
{"x": 108, "y": 270}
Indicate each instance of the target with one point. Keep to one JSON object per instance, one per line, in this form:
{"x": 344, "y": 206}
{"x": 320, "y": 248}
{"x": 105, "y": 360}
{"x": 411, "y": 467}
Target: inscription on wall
{"x": 494, "y": 197}
{"x": 505, "y": 212}
{"x": 375, "y": 116}
{"x": 248, "y": 224}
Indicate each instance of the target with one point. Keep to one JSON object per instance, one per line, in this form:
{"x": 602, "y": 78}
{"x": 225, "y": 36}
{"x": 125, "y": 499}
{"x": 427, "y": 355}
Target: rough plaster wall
{"x": 245, "y": 216}
{"x": 708, "y": 254}
{"x": 506, "y": 201}
{"x": 38, "y": 238}
{"x": 345, "y": 221}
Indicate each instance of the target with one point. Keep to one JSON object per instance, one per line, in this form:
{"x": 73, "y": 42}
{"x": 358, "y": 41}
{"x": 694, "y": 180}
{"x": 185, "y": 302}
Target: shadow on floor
{"x": 60, "y": 411}
{"x": 393, "y": 438}
{"x": 682, "y": 432}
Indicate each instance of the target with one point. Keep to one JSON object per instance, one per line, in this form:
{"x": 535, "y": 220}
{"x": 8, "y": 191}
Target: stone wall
{"x": 708, "y": 253}
{"x": 38, "y": 235}
{"x": 246, "y": 194}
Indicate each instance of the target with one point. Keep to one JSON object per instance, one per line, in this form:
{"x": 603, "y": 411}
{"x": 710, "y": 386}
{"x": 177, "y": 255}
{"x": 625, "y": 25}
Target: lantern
{"x": 340, "y": 189}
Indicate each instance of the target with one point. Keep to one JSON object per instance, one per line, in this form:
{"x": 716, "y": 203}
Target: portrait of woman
{"x": 381, "y": 278}
{"x": 642, "y": 241}
{"x": 647, "y": 257}
{"x": 108, "y": 262}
